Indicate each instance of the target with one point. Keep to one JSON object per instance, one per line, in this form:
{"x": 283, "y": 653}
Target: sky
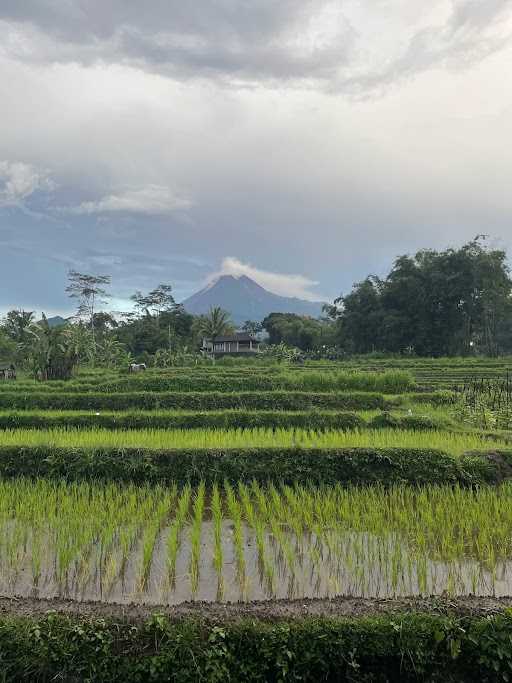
{"x": 304, "y": 143}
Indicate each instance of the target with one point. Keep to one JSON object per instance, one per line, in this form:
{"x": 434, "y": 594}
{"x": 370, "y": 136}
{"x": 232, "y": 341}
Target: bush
{"x": 386, "y": 648}
{"x": 349, "y": 466}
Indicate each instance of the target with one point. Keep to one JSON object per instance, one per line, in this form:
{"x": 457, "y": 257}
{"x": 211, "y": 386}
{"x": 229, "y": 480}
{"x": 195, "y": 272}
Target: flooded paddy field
{"x": 169, "y": 545}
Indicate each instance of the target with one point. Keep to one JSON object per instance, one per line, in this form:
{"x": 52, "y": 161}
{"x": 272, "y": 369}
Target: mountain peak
{"x": 245, "y": 300}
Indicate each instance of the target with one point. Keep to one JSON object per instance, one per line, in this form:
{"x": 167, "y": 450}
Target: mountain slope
{"x": 245, "y": 299}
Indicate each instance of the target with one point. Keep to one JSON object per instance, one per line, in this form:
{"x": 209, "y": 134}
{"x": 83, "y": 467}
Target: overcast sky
{"x": 305, "y": 143}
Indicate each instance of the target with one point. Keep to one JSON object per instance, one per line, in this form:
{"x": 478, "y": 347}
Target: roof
{"x": 238, "y": 336}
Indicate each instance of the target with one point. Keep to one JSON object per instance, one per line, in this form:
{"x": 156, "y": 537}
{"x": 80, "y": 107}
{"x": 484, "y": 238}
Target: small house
{"x": 239, "y": 343}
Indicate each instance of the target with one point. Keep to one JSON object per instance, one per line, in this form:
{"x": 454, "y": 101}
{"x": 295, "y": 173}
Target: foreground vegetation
{"x": 387, "y": 648}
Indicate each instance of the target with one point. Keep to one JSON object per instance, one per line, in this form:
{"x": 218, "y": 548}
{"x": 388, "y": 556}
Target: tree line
{"x": 435, "y": 303}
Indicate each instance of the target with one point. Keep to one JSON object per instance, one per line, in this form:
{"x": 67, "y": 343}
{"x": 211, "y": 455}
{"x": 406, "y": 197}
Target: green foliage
{"x": 263, "y": 400}
{"x": 7, "y": 349}
{"x": 298, "y": 331}
{"x": 216, "y": 323}
{"x": 350, "y": 466}
{"x": 52, "y": 353}
{"x": 435, "y": 303}
{"x": 220, "y": 419}
{"x": 386, "y": 648}
{"x": 390, "y": 382}
{"x": 147, "y": 334}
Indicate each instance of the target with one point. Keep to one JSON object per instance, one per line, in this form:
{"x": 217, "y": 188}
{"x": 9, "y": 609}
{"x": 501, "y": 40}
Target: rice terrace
{"x": 372, "y": 480}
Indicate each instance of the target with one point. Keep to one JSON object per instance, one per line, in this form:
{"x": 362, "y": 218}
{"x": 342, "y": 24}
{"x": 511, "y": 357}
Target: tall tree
{"x": 435, "y": 303}
{"x": 90, "y": 291}
{"x": 156, "y": 302}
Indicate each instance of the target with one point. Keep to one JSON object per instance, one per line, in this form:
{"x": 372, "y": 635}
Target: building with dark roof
{"x": 231, "y": 344}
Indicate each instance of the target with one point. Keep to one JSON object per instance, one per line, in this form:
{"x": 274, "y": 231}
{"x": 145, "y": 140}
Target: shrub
{"x": 386, "y": 648}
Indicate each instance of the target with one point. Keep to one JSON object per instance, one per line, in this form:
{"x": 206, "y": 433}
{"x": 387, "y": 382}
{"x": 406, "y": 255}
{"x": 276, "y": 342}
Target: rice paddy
{"x": 242, "y": 540}
{"x": 245, "y": 542}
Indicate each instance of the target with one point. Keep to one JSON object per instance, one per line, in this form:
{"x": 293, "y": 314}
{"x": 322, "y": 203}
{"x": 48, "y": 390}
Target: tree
{"x": 435, "y": 303}
{"x": 89, "y": 290}
{"x": 17, "y": 323}
{"x": 155, "y": 302}
{"x": 215, "y": 323}
{"x": 362, "y": 317}
{"x": 252, "y": 327}
{"x": 7, "y": 348}
{"x": 298, "y": 331}
{"x": 146, "y": 334}
{"x": 50, "y": 351}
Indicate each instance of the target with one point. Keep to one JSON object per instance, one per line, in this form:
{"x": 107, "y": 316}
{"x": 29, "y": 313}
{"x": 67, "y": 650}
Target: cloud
{"x": 248, "y": 41}
{"x": 224, "y": 127}
{"x": 286, "y": 285}
{"x": 18, "y": 181}
{"x": 351, "y": 46}
{"x": 472, "y": 31}
{"x": 151, "y": 199}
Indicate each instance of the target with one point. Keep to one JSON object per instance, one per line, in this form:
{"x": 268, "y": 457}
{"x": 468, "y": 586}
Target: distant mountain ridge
{"x": 245, "y": 300}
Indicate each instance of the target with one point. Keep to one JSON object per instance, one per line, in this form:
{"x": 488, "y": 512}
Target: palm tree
{"x": 49, "y": 351}
{"x": 215, "y": 323}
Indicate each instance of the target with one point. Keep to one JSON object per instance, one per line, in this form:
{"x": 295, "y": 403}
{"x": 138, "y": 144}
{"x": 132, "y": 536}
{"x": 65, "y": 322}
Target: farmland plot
{"x": 165, "y": 545}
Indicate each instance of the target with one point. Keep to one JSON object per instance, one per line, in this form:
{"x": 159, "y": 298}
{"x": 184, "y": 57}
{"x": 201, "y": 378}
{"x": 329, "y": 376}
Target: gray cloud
{"x": 473, "y": 31}
{"x": 312, "y": 42}
{"x": 121, "y": 161}
{"x": 266, "y": 39}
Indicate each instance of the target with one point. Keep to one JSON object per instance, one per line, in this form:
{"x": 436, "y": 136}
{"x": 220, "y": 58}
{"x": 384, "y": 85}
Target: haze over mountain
{"x": 245, "y": 300}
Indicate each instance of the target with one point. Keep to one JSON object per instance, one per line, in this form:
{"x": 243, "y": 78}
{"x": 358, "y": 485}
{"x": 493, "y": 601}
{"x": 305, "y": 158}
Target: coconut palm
{"x": 216, "y": 323}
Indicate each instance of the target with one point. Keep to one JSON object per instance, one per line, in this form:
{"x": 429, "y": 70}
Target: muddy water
{"x": 351, "y": 564}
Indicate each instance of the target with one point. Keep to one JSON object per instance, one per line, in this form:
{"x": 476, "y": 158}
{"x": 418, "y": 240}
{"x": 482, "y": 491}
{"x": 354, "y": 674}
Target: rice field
{"x": 244, "y": 541}
{"x": 165, "y": 545}
{"x": 450, "y": 442}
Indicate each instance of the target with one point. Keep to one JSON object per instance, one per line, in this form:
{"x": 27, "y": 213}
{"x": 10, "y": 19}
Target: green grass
{"x": 455, "y": 443}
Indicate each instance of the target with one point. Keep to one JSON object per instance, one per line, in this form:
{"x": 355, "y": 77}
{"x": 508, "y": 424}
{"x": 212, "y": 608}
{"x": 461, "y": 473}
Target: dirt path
{"x": 268, "y": 610}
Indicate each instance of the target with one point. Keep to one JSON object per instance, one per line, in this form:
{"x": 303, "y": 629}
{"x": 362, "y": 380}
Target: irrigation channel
{"x": 167, "y": 545}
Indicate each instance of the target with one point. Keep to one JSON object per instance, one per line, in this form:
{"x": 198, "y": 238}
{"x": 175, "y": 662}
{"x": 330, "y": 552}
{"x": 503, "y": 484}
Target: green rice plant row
{"x": 392, "y": 382}
{"x": 452, "y": 442}
{"x": 417, "y": 540}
